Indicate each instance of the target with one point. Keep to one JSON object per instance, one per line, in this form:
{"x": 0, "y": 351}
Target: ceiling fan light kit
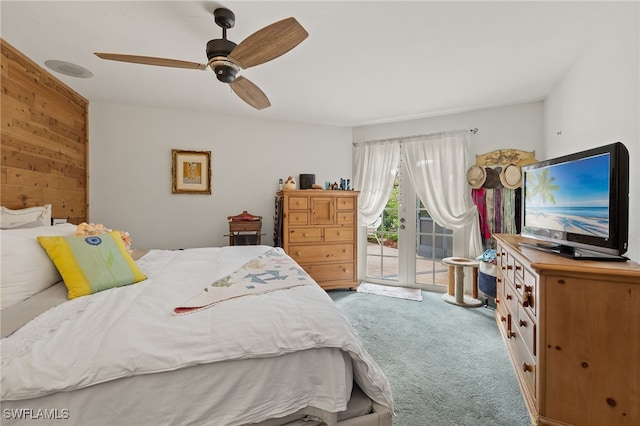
{"x": 226, "y": 58}
{"x": 224, "y": 69}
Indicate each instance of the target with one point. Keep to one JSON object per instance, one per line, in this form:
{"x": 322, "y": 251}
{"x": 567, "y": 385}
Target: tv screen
{"x": 579, "y": 204}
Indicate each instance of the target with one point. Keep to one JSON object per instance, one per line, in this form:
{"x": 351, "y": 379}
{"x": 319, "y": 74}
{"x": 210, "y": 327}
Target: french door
{"x": 407, "y": 247}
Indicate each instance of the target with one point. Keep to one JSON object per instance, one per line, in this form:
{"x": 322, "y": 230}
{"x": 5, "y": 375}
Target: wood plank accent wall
{"x": 44, "y": 141}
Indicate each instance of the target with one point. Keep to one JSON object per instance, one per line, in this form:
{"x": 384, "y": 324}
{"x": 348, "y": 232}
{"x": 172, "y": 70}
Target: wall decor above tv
{"x": 578, "y": 204}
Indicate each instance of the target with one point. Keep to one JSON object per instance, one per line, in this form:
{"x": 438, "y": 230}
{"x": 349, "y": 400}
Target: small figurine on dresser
{"x": 290, "y": 183}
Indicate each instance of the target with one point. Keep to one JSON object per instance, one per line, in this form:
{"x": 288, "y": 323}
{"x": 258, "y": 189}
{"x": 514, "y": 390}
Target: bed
{"x": 144, "y": 354}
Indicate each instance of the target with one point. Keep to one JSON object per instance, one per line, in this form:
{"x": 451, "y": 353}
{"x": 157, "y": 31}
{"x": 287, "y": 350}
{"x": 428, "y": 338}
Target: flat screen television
{"x": 578, "y": 205}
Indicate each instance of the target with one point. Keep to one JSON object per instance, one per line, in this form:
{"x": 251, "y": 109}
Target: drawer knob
{"x": 518, "y": 286}
{"x": 526, "y": 367}
{"x": 503, "y": 318}
{"x": 511, "y": 334}
{"x": 518, "y": 268}
{"x": 509, "y": 267}
{"x": 509, "y": 297}
{"x": 522, "y": 323}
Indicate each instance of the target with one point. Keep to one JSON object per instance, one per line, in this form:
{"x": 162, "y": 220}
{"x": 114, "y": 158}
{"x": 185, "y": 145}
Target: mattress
{"x": 197, "y": 395}
{"x": 310, "y": 377}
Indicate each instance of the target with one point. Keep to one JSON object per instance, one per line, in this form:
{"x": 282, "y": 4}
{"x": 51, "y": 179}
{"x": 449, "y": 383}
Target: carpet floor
{"x": 447, "y": 365}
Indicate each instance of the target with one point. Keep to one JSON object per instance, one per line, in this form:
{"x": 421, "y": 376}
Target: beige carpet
{"x": 390, "y": 291}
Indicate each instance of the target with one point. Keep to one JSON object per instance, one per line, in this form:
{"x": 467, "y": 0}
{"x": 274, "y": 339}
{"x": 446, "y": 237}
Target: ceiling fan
{"x": 227, "y": 58}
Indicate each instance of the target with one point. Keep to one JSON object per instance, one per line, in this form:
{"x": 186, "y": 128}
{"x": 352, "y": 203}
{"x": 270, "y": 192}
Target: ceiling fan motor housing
{"x": 217, "y": 52}
{"x": 219, "y": 47}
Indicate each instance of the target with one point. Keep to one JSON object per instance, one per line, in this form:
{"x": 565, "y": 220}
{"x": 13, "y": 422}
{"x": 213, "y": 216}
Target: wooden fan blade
{"x": 268, "y": 43}
{"x": 250, "y": 93}
{"x": 150, "y": 60}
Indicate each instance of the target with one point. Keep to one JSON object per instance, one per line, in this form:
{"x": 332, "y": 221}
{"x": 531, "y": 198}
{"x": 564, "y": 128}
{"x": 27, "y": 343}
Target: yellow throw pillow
{"x": 92, "y": 264}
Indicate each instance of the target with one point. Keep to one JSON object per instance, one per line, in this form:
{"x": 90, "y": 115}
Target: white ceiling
{"x": 363, "y": 62}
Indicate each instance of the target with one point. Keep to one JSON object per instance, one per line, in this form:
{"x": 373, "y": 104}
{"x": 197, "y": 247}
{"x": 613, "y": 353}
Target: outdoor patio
{"x": 428, "y": 271}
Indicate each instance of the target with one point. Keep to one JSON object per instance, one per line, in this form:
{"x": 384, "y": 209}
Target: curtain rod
{"x": 474, "y": 131}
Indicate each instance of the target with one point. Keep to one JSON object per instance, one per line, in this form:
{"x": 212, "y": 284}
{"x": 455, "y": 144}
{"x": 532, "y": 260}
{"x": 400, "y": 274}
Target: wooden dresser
{"x": 319, "y": 231}
{"x": 572, "y": 329}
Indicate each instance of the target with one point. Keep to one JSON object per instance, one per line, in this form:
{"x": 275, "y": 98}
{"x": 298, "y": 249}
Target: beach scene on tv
{"x": 570, "y": 197}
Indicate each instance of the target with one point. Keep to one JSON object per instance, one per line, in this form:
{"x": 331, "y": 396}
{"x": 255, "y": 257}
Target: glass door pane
{"x": 433, "y": 243}
{"x": 382, "y": 242}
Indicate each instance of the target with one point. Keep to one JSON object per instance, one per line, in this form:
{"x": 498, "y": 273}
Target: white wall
{"x": 516, "y": 126}
{"x": 598, "y": 103}
{"x": 130, "y": 170}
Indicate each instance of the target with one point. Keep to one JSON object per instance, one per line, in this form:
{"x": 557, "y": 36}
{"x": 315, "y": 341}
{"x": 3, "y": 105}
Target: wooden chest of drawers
{"x": 572, "y": 331}
{"x": 318, "y": 230}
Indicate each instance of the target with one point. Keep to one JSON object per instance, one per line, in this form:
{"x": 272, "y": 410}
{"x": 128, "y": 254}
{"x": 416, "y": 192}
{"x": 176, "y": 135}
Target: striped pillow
{"x": 92, "y": 264}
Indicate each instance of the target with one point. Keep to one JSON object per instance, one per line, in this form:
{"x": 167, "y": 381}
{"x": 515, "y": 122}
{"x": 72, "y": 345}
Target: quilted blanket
{"x": 268, "y": 272}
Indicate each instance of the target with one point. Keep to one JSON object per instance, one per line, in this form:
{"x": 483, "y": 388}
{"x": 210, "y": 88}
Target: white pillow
{"x": 10, "y": 218}
{"x": 25, "y": 268}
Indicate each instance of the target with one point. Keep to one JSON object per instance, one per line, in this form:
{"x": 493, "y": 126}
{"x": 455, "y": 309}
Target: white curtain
{"x": 376, "y": 166}
{"x": 436, "y": 166}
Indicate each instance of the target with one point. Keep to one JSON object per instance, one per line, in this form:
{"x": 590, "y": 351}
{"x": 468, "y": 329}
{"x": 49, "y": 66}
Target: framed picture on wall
{"x": 191, "y": 172}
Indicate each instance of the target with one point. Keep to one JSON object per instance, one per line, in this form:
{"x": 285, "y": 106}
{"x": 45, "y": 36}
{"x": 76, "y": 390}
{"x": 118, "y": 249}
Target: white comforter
{"x": 132, "y": 331}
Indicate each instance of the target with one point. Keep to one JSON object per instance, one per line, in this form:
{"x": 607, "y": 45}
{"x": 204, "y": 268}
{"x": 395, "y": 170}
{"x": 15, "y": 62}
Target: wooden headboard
{"x": 44, "y": 143}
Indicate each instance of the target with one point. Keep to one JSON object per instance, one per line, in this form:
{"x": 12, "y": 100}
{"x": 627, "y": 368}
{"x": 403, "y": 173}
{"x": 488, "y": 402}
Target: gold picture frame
{"x": 191, "y": 172}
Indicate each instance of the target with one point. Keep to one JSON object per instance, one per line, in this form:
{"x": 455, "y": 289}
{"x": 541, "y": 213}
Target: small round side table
{"x": 455, "y": 293}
